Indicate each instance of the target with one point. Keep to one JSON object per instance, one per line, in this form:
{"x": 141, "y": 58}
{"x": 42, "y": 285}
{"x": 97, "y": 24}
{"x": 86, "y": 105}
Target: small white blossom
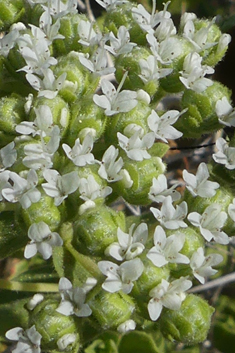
{"x": 110, "y": 167}
{"x": 121, "y": 44}
{"x": 198, "y": 184}
{"x": 224, "y": 41}
{"x": 225, "y": 112}
{"x": 7, "y": 42}
{"x": 59, "y": 8}
{"x": 158, "y": 191}
{"x": 150, "y": 70}
{"x": 128, "y": 325}
{"x": 135, "y": 147}
{"x": 59, "y": 187}
{"x": 114, "y": 101}
{"x": 225, "y": 154}
{"x": 73, "y": 300}
{"x": 201, "y": 265}
{"x": 28, "y": 341}
{"x": 80, "y": 154}
{"x": 87, "y": 34}
{"x": 231, "y": 209}
{"x": 170, "y": 217}
{"x": 22, "y": 190}
{"x": 4, "y": 182}
{"x": 168, "y": 295}
{"x": 162, "y": 126}
{"x": 129, "y": 245}
{"x": 165, "y": 29}
{"x": 8, "y": 156}
{"x": 167, "y": 50}
{"x": 210, "y": 223}
{"x": 65, "y": 341}
{"x": 120, "y": 277}
{"x": 110, "y": 5}
{"x": 166, "y": 249}
{"x": 193, "y": 73}
{"x": 34, "y": 301}
{"x": 97, "y": 63}
{"x": 42, "y": 241}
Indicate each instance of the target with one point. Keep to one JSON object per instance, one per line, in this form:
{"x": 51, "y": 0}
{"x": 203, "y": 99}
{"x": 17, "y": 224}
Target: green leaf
{"x": 138, "y": 342}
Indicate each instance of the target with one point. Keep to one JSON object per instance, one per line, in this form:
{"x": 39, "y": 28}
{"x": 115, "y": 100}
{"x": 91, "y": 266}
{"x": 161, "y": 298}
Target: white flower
{"x": 87, "y": 34}
{"x": 198, "y": 38}
{"x": 4, "y": 181}
{"x": 121, "y": 44}
{"x": 168, "y": 295}
{"x": 165, "y": 29}
{"x": 66, "y": 340}
{"x": 120, "y": 277}
{"x": 193, "y": 73}
{"x": 146, "y": 21}
{"x": 8, "y": 41}
{"x": 97, "y": 63}
{"x": 150, "y": 70}
{"x": 198, "y": 184}
{"x": 28, "y": 341}
{"x": 73, "y": 299}
{"x": 128, "y": 325}
{"x": 42, "y": 241}
{"x": 129, "y": 245}
{"x": 210, "y": 223}
{"x": 166, "y": 249}
{"x": 42, "y": 125}
{"x": 22, "y": 190}
{"x": 158, "y": 191}
{"x": 114, "y": 101}
{"x": 110, "y": 5}
{"x": 202, "y": 265}
{"x": 34, "y": 301}
{"x": 161, "y": 126}
{"x": 51, "y": 30}
{"x": 39, "y": 155}
{"x": 225, "y": 154}
{"x": 8, "y": 156}
{"x": 170, "y": 217}
{"x": 110, "y": 168}
{"x": 59, "y": 187}
{"x": 225, "y": 112}
{"x": 60, "y": 8}
{"x": 80, "y": 154}
{"x": 135, "y": 147}
{"x": 224, "y": 41}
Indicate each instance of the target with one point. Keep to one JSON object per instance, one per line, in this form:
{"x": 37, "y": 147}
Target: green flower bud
{"x": 86, "y": 115}
{"x": 111, "y": 309}
{"x": 77, "y": 78}
{"x": 122, "y": 16}
{"x": 44, "y": 210}
{"x": 59, "y": 109}
{"x": 12, "y": 11}
{"x": 118, "y": 122}
{"x": 189, "y": 324}
{"x": 142, "y": 174}
{"x": 200, "y": 118}
{"x": 53, "y": 326}
{"x": 130, "y": 62}
{"x": 96, "y": 229}
{"x": 69, "y": 29}
{"x": 11, "y": 113}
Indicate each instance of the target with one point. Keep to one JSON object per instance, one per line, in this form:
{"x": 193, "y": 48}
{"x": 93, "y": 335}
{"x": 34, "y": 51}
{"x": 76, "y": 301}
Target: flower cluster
{"x": 82, "y": 128}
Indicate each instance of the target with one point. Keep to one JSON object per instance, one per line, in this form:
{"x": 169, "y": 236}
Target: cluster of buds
{"x": 80, "y": 127}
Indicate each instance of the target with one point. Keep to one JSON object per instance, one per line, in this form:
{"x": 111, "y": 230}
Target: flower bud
{"x": 86, "y": 114}
{"x": 142, "y": 174}
{"x": 12, "y": 113}
{"x": 200, "y": 117}
{"x": 12, "y": 11}
{"x": 111, "y": 309}
{"x": 96, "y": 229}
{"x": 189, "y": 324}
{"x": 43, "y": 211}
{"x": 54, "y": 327}
{"x": 118, "y": 123}
{"x": 122, "y": 16}
{"x": 77, "y": 78}
{"x": 130, "y": 62}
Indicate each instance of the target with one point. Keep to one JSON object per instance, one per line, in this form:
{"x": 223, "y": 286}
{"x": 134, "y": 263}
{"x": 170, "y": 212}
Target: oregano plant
{"x": 108, "y": 249}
